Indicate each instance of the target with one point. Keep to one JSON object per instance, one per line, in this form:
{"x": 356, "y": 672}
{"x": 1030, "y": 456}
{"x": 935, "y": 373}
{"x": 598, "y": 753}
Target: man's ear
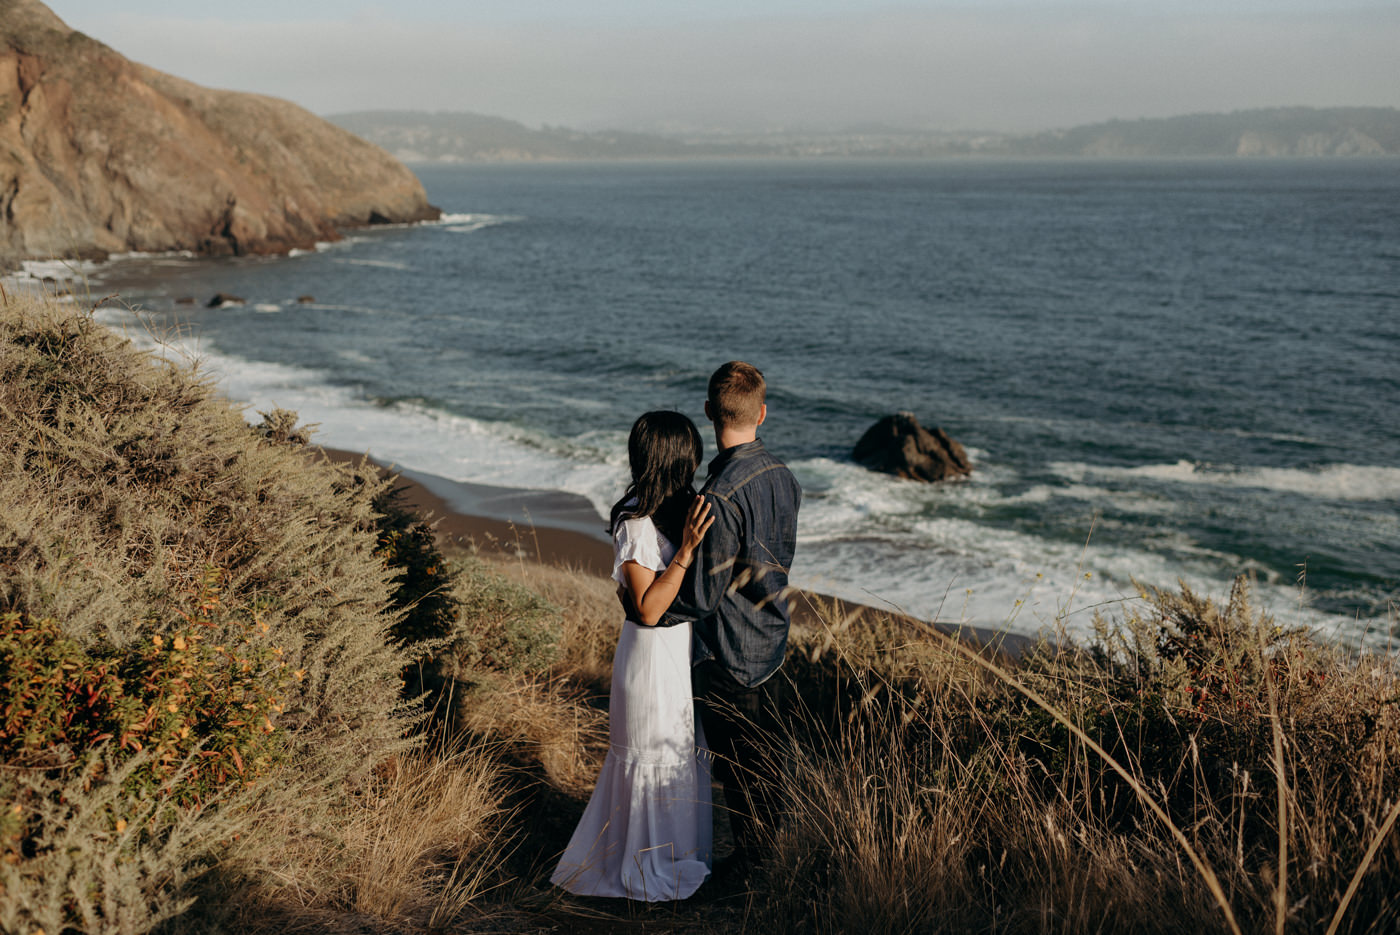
{"x": 708, "y": 414}
{"x": 762, "y": 414}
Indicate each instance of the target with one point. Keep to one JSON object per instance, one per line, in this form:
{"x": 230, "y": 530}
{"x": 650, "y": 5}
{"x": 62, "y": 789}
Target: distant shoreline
{"x": 452, "y": 138}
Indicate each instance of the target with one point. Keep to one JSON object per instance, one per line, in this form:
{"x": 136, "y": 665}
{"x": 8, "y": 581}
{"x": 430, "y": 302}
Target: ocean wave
{"x": 320, "y": 246}
{"x": 355, "y": 309}
{"x": 841, "y": 497}
{"x": 1131, "y": 502}
{"x": 58, "y": 270}
{"x": 409, "y": 433}
{"x": 149, "y": 255}
{"x": 1331, "y": 482}
{"x": 853, "y": 497}
{"x": 378, "y": 264}
{"x": 960, "y": 571}
{"x": 469, "y": 223}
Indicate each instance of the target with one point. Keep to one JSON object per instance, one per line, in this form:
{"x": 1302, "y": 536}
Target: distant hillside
{"x": 1281, "y": 132}
{"x": 415, "y": 136}
{"x": 1289, "y": 131}
{"x": 99, "y": 154}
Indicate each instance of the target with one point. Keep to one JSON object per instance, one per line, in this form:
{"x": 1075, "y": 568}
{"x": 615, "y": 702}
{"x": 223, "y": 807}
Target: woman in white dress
{"x": 646, "y": 832}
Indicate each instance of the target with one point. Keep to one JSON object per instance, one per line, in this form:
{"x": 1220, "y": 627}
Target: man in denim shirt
{"x": 736, "y": 590}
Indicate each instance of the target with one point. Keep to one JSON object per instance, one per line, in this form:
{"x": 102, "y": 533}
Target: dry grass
{"x": 417, "y": 846}
{"x": 1155, "y": 782}
{"x": 541, "y": 722}
{"x": 589, "y": 618}
{"x": 525, "y": 670}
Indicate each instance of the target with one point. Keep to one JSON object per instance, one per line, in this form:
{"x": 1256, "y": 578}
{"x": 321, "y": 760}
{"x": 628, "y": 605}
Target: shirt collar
{"x": 745, "y": 450}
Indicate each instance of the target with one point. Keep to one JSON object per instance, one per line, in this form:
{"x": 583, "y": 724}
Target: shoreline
{"x": 545, "y": 526}
{"x": 552, "y": 527}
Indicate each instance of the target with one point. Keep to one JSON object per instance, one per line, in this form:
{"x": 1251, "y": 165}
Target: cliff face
{"x": 99, "y": 154}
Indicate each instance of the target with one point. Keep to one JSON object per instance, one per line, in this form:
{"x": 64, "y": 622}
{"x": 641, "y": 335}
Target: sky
{"x": 748, "y": 65}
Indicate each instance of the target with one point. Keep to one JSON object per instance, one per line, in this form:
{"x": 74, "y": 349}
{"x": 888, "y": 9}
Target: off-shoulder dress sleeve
{"x": 636, "y": 540}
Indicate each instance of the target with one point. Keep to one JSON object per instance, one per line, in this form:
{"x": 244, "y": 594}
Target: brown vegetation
{"x": 1194, "y": 767}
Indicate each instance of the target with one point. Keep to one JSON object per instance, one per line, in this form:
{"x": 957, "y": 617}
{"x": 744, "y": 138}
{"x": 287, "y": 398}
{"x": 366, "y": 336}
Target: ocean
{"x": 1164, "y": 371}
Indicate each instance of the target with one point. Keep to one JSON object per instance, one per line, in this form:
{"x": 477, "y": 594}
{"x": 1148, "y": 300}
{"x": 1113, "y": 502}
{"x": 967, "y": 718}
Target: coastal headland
{"x": 109, "y": 156}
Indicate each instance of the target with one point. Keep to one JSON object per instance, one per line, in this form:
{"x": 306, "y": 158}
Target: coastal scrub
{"x": 188, "y": 601}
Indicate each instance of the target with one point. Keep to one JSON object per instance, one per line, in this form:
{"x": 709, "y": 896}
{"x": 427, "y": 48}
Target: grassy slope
{"x": 1136, "y": 785}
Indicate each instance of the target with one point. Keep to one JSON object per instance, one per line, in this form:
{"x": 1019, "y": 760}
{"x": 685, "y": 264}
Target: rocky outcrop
{"x": 99, "y": 155}
{"x": 899, "y": 445}
{"x": 221, "y": 299}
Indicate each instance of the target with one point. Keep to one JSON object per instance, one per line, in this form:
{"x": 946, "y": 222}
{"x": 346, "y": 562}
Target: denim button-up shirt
{"x": 736, "y": 588}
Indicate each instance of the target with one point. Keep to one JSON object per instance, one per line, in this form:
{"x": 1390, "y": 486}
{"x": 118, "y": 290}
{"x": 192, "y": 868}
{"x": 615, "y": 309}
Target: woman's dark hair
{"x": 664, "y": 450}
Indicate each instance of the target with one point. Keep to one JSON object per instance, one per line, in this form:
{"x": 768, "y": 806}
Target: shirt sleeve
{"x": 635, "y": 540}
{"x": 712, "y": 570}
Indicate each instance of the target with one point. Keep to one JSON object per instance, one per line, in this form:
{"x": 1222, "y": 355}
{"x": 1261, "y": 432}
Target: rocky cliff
{"x": 99, "y": 155}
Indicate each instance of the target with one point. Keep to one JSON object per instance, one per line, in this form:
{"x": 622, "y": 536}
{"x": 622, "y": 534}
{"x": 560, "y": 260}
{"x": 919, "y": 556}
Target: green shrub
{"x": 501, "y": 626}
{"x": 422, "y": 594}
{"x": 200, "y": 701}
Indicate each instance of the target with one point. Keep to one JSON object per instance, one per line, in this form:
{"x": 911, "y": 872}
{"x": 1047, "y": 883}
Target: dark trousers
{"x": 739, "y": 727}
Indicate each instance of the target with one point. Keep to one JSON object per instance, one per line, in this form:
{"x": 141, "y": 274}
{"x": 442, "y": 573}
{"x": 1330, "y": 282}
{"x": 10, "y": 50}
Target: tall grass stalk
{"x": 1355, "y": 883}
{"x": 1281, "y": 790}
{"x": 1147, "y": 799}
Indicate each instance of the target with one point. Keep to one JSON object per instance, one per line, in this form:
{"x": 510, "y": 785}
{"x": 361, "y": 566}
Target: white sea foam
{"x": 266, "y": 307}
{"x": 961, "y": 571}
{"x": 379, "y": 264}
{"x": 406, "y": 433}
{"x": 39, "y": 270}
{"x": 319, "y": 247}
{"x": 468, "y": 223}
{"x": 146, "y": 255}
{"x": 1332, "y": 481}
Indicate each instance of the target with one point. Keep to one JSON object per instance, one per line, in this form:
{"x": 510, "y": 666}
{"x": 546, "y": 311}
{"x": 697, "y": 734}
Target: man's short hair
{"x": 736, "y": 394}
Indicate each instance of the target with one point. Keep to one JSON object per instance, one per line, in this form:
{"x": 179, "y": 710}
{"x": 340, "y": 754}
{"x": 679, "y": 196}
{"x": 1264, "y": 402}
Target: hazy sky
{"x": 649, "y": 64}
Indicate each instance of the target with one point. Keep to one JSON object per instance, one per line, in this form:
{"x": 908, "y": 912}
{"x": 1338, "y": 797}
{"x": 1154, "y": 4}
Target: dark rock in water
{"x": 376, "y": 218}
{"x": 306, "y": 299}
{"x": 899, "y": 445}
{"x": 221, "y": 299}
{"x": 185, "y": 300}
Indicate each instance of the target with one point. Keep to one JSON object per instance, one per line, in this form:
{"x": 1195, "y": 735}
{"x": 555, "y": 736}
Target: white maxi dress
{"x": 646, "y": 833}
